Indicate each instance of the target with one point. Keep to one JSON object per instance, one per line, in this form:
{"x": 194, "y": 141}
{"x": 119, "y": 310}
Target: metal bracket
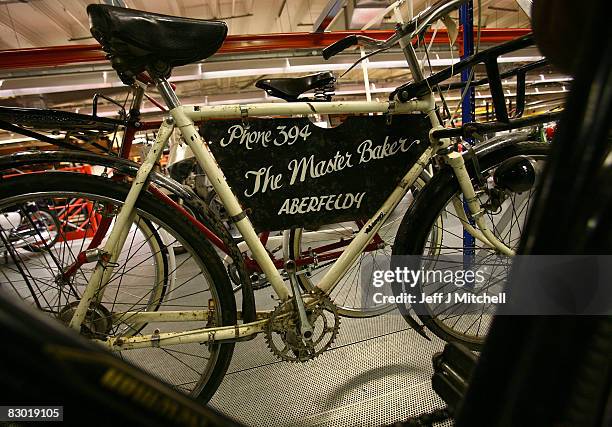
{"x": 96, "y": 254}
{"x": 390, "y": 111}
{"x": 314, "y": 255}
{"x": 239, "y": 216}
{"x": 155, "y": 338}
{"x": 211, "y": 337}
{"x": 244, "y": 114}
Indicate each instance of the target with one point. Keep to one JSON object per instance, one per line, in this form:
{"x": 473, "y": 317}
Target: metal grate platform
{"x": 378, "y": 372}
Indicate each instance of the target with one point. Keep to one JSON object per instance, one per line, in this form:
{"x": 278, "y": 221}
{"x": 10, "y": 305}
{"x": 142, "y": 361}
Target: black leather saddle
{"x": 137, "y": 40}
{"x": 290, "y": 89}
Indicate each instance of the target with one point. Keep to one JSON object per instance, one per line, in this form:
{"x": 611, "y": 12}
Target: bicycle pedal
{"x": 453, "y": 369}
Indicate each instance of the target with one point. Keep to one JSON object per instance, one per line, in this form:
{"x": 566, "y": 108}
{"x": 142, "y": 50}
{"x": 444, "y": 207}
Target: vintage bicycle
{"x": 175, "y": 315}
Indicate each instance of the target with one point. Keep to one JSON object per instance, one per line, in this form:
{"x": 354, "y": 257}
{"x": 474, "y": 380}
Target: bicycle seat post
{"x": 166, "y": 92}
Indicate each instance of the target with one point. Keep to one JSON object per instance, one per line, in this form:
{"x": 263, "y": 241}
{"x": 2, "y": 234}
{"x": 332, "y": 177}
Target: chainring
{"x": 282, "y": 331}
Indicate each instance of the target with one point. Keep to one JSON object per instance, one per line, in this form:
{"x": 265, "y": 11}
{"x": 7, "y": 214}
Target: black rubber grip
{"x": 339, "y": 46}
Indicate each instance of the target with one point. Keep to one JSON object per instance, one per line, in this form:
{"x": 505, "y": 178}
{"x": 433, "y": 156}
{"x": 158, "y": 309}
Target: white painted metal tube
{"x": 166, "y": 339}
{"x": 307, "y": 237}
{"x": 123, "y": 222}
{"x": 456, "y": 161}
{"x": 197, "y": 113}
{"x": 206, "y": 160}
{"x": 466, "y": 224}
{"x": 170, "y": 316}
{"x": 369, "y": 230}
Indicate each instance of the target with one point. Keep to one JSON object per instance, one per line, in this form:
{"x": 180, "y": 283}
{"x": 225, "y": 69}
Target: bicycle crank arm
{"x": 305, "y": 326}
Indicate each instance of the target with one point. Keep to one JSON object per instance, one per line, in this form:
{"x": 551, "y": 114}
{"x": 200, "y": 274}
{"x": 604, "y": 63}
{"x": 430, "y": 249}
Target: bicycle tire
{"x": 45, "y": 245}
{"x": 57, "y": 183}
{"x": 420, "y": 219}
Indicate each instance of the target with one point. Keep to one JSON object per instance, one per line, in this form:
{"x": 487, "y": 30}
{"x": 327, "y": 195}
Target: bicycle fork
{"x": 107, "y": 257}
{"x": 456, "y": 161}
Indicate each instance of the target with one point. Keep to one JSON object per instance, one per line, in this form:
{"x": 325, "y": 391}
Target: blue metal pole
{"x": 466, "y": 19}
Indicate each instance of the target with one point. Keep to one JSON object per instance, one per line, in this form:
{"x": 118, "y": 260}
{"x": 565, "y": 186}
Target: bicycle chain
{"x": 283, "y": 323}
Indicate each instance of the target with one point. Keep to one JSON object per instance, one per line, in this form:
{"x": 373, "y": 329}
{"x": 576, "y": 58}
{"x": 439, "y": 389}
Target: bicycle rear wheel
{"x": 141, "y": 277}
{"x": 41, "y": 220}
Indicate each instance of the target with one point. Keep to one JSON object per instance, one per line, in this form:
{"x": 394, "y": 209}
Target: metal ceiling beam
{"x": 70, "y": 54}
{"x": 510, "y": 18}
{"x": 44, "y": 9}
{"x": 119, "y": 3}
{"x": 27, "y": 34}
{"x": 175, "y": 8}
{"x": 330, "y": 11}
{"x": 74, "y": 18}
{"x": 301, "y": 11}
{"x": 215, "y": 8}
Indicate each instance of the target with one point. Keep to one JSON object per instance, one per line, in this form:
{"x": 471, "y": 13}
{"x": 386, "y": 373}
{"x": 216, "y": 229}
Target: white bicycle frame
{"x": 183, "y": 118}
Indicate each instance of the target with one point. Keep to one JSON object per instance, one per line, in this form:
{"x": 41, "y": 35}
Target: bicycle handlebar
{"x": 348, "y": 41}
{"x": 415, "y": 27}
{"x": 426, "y": 18}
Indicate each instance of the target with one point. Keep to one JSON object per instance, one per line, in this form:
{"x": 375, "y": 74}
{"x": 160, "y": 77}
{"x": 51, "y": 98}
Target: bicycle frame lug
{"x": 479, "y": 214}
{"x": 390, "y": 113}
{"x": 244, "y": 114}
{"x": 442, "y": 143}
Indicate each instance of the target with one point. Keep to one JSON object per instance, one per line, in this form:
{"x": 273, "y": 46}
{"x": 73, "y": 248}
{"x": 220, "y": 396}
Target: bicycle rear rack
{"x": 30, "y": 121}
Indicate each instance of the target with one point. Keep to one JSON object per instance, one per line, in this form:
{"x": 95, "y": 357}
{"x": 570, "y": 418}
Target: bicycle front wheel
{"x": 432, "y": 229}
{"x": 141, "y": 277}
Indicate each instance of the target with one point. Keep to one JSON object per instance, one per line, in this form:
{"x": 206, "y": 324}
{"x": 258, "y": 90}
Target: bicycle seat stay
{"x": 290, "y": 88}
{"x": 137, "y": 40}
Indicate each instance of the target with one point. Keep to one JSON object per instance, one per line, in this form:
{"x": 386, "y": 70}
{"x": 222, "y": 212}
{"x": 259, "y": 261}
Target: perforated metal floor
{"x": 378, "y": 372}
